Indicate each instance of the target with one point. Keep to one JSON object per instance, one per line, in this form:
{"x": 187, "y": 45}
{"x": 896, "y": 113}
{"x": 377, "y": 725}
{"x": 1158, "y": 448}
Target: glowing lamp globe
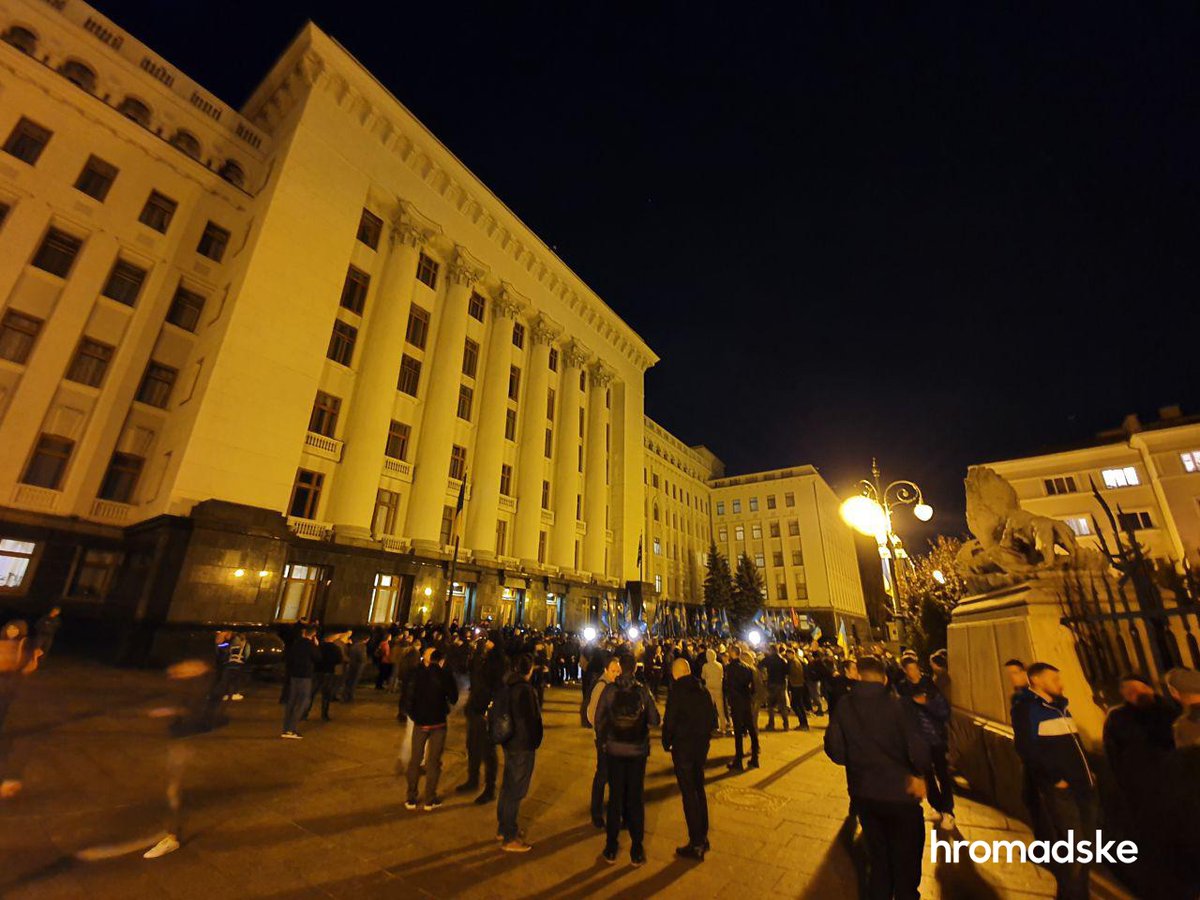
{"x": 755, "y": 638}
{"x": 923, "y": 511}
{"x": 632, "y": 633}
{"x": 864, "y": 515}
{"x": 589, "y": 633}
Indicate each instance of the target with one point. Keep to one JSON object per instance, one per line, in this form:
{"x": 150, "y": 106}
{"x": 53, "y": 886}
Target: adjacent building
{"x": 297, "y": 360}
{"x": 1148, "y": 473}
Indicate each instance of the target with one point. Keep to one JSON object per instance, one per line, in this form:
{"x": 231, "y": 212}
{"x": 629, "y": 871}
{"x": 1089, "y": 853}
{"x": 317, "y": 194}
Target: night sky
{"x": 936, "y": 233}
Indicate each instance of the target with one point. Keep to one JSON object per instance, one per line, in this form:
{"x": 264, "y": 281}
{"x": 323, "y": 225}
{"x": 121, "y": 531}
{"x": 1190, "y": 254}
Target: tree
{"x": 718, "y": 582}
{"x": 747, "y": 597}
{"x": 931, "y": 587}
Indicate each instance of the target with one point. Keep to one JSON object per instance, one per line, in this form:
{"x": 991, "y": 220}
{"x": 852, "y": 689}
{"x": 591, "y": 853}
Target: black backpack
{"x": 499, "y": 717}
{"x": 628, "y": 714}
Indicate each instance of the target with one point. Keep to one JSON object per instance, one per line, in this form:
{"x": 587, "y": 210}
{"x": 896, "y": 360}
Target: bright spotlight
{"x": 755, "y": 638}
{"x": 864, "y": 515}
{"x": 939, "y": 576}
{"x": 238, "y": 573}
{"x": 633, "y": 633}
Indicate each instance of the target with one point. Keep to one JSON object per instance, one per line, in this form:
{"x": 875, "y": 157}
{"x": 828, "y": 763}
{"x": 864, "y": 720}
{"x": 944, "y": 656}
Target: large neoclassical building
{"x": 281, "y": 361}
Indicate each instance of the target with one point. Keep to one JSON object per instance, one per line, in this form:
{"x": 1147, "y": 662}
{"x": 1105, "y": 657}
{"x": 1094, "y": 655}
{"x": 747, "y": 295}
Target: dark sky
{"x": 936, "y": 233}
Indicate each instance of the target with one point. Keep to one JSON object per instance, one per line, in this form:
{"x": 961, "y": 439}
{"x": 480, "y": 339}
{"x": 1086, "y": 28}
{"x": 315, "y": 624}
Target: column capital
{"x": 464, "y": 268}
{"x": 544, "y": 330}
{"x": 411, "y": 227}
{"x": 601, "y": 375}
{"x": 507, "y": 303}
{"x": 575, "y": 354}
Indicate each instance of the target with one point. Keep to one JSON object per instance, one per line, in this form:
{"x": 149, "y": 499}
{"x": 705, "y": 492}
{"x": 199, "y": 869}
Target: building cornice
{"x": 316, "y": 61}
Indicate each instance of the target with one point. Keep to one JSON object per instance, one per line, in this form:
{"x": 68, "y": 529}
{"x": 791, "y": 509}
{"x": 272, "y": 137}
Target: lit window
{"x": 722, "y": 534}
{"x": 720, "y": 507}
{"x": 385, "y": 597}
{"x": 658, "y": 584}
{"x": 737, "y": 506}
{"x": 657, "y": 547}
{"x": 1126, "y": 476}
{"x": 739, "y": 532}
{"x": 1081, "y": 525}
{"x": 753, "y": 504}
{"x": 15, "y": 559}
{"x": 1190, "y": 460}
{"x": 760, "y": 561}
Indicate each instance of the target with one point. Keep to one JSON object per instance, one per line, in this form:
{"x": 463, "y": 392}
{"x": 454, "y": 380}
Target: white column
{"x": 566, "y": 481}
{"x": 431, "y": 470}
{"x": 531, "y": 462}
{"x": 595, "y": 498}
{"x": 370, "y": 410}
{"x": 489, "y": 433}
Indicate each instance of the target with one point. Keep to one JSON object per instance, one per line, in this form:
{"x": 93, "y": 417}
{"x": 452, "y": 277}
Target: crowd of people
{"x": 888, "y": 725}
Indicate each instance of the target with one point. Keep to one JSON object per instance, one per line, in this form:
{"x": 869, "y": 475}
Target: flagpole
{"x": 458, "y": 508}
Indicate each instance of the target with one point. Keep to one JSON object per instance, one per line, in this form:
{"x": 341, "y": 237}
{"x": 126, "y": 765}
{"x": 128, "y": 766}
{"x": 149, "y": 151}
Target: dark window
{"x": 79, "y": 75}
{"x": 771, "y": 505}
{"x": 458, "y": 462}
{"x": 542, "y": 549}
{"x": 27, "y": 141}
{"x": 21, "y": 38}
{"x": 410, "y": 375}
{"x": 1135, "y": 521}
{"x": 789, "y": 499}
{"x": 341, "y": 343}
{"x": 475, "y": 307}
{"x": 90, "y": 362}
{"x": 158, "y": 211}
{"x": 96, "y": 178}
{"x": 57, "y": 252}
{"x": 518, "y": 335}
{"x": 306, "y": 494}
{"x": 470, "y": 358}
{"x": 510, "y": 424}
{"x": 4, "y": 210}
{"x": 370, "y": 226}
{"x": 354, "y": 291}
{"x": 49, "y": 461}
{"x": 465, "y": 397}
{"x": 156, "y": 386}
{"x": 427, "y": 271}
{"x": 94, "y": 574}
{"x": 553, "y": 359}
{"x": 18, "y": 333}
{"x": 549, "y": 443}
{"x": 793, "y": 528}
{"x": 397, "y": 440}
{"x": 132, "y": 108}
{"x": 187, "y": 142}
{"x": 582, "y": 380}
{"x": 213, "y": 242}
{"x": 121, "y": 479}
{"x": 324, "y": 416}
{"x": 506, "y": 479}
{"x": 777, "y": 558}
{"x": 797, "y": 557}
{"x": 774, "y": 529}
{"x": 124, "y": 282}
{"x": 447, "y": 530}
{"x": 1064, "y": 484}
{"x": 514, "y": 383}
{"x": 550, "y": 404}
{"x": 418, "y": 327}
{"x": 185, "y": 310}
{"x": 545, "y": 495}
{"x": 233, "y": 173}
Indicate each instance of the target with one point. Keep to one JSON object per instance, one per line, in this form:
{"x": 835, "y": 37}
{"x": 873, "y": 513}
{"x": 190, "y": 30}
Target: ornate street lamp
{"x": 870, "y": 512}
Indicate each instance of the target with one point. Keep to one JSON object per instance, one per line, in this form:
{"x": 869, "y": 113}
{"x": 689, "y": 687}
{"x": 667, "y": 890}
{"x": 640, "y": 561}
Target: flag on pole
{"x": 639, "y": 556}
{"x": 841, "y": 638}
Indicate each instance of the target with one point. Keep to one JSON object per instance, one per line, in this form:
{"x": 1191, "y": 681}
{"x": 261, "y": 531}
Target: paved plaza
{"x": 324, "y": 817}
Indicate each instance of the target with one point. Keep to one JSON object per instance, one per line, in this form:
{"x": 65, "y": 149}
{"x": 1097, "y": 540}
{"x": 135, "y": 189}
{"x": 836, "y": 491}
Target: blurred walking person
{"x": 713, "y": 675}
{"x": 18, "y": 660}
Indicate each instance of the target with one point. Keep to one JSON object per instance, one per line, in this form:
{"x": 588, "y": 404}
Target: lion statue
{"x": 1011, "y": 544}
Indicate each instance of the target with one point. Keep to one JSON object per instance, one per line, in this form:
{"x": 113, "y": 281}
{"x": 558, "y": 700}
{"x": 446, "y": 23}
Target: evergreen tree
{"x": 718, "y": 581}
{"x": 747, "y": 592}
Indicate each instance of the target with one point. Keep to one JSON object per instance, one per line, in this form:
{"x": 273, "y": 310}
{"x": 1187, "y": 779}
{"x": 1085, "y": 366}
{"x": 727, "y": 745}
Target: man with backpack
{"x": 517, "y": 700}
{"x": 624, "y": 715}
{"x": 600, "y": 778}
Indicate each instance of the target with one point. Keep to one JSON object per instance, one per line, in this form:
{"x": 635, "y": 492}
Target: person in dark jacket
{"x": 356, "y": 660}
{"x": 877, "y": 739}
{"x": 299, "y": 660}
{"x": 46, "y": 628}
{"x": 775, "y": 670}
{"x": 486, "y": 677}
{"x": 624, "y": 715}
{"x": 1047, "y": 740}
{"x": 429, "y": 693}
{"x": 325, "y": 674}
{"x": 932, "y": 710}
{"x": 739, "y": 693}
{"x": 520, "y": 752}
{"x": 688, "y": 724}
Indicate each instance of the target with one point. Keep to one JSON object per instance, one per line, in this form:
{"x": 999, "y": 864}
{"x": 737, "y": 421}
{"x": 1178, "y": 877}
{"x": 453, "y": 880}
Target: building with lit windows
{"x": 280, "y": 362}
{"x": 1148, "y": 473}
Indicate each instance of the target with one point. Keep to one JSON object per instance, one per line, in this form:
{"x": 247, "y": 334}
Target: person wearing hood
{"x": 520, "y": 752}
{"x": 932, "y": 711}
{"x": 688, "y": 723}
{"x": 713, "y": 675}
{"x": 624, "y": 715}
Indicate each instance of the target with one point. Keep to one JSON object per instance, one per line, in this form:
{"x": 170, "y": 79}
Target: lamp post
{"x": 870, "y": 512}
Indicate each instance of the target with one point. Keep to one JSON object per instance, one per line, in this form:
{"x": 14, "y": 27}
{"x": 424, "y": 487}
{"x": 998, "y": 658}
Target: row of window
{"x": 756, "y": 532}
{"x": 1119, "y": 477}
{"x": 789, "y": 500}
{"x": 1138, "y": 520}
{"x": 84, "y": 77}
{"x": 47, "y": 466}
{"x": 674, "y": 491}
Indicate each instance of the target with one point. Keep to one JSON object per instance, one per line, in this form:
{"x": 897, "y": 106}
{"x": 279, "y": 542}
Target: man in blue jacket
{"x": 932, "y": 710}
{"x": 1047, "y": 740}
{"x": 520, "y": 752}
